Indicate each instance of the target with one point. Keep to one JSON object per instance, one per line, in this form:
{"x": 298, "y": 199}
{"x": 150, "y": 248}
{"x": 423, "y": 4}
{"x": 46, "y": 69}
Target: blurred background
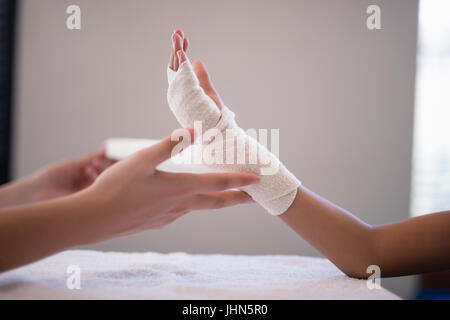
{"x": 343, "y": 96}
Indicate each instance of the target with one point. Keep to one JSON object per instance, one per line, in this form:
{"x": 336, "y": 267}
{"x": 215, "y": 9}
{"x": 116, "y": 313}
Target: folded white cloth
{"x": 184, "y": 276}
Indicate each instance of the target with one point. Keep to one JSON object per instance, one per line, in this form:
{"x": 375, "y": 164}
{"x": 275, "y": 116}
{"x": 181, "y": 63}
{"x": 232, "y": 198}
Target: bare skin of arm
{"x": 413, "y": 246}
{"x": 56, "y": 180}
{"x": 32, "y": 232}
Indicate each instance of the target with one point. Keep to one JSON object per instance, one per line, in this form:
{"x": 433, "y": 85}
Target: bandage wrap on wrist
{"x": 189, "y": 103}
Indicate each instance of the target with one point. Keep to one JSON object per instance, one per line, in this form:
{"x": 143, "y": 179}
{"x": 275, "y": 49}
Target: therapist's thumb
{"x": 170, "y": 146}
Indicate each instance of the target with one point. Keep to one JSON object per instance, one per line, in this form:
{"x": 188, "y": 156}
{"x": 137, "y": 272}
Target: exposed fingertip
{"x": 179, "y": 32}
{"x": 249, "y": 200}
{"x": 246, "y": 197}
{"x": 253, "y": 178}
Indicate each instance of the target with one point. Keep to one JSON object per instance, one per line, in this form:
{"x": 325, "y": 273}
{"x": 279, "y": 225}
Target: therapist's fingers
{"x": 88, "y": 159}
{"x": 205, "y": 82}
{"x": 98, "y": 162}
{"x": 91, "y": 172}
{"x": 194, "y": 183}
{"x": 215, "y": 200}
{"x": 221, "y": 199}
{"x": 101, "y": 163}
{"x": 164, "y": 149}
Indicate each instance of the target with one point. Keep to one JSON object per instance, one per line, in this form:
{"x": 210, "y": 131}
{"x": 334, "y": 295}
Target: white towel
{"x": 114, "y": 275}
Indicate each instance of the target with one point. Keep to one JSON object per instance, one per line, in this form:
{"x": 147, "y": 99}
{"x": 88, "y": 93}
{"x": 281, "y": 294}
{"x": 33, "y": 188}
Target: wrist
{"x": 100, "y": 217}
{"x": 86, "y": 216}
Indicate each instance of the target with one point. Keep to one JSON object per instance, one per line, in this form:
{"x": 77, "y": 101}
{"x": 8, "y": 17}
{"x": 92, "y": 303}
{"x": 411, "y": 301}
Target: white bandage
{"x": 189, "y": 103}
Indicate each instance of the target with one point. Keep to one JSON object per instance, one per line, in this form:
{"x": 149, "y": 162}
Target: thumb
{"x": 170, "y": 146}
{"x": 205, "y": 82}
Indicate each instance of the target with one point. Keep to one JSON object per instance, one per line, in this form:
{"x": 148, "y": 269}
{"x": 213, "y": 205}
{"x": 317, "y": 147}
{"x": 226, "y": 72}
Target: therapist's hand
{"x": 55, "y": 181}
{"x": 133, "y": 195}
{"x": 128, "y": 197}
{"x": 70, "y": 176}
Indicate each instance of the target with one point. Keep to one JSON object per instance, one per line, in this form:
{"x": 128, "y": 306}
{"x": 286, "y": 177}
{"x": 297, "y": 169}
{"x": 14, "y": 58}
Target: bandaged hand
{"x": 226, "y": 147}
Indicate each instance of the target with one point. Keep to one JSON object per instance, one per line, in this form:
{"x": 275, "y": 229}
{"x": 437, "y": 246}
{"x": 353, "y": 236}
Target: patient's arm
{"x": 416, "y": 245}
{"x": 412, "y": 246}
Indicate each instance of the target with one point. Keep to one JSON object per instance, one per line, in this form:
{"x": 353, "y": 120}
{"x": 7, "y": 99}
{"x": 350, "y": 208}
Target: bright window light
{"x": 431, "y": 155}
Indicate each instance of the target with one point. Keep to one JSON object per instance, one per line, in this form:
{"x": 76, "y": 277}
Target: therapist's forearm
{"x": 29, "y": 233}
{"x": 16, "y": 193}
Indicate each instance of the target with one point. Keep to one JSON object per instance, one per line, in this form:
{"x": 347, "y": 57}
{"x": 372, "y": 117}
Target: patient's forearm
{"x": 412, "y": 246}
{"x": 340, "y": 236}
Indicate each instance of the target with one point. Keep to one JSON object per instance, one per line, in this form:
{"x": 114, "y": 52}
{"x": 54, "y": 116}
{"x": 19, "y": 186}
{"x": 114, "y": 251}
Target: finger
{"x": 205, "y": 82}
{"x": 192, "y": 183}
{"x": 171, "y": 60}
{"x": 178, "y": 46}
{"x": 181, "y": 56}
{"x": 183, "y": 38}
{"x": 97, "y": 164}
{"x": 165, "y": 149}
{"x": 86, "y": 160}
{"x": 221, "y": 199}
{"x": 91, "y": 172}
{"x": 102, "y": 163}
{"x": 179, "y": 32}
{"x": 101, "y": 152}
{"x": 173, "y": 56}
{"x": 185, "y": 44}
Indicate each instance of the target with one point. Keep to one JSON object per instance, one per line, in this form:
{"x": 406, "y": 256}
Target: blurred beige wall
{"x": 341, "y": 95}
